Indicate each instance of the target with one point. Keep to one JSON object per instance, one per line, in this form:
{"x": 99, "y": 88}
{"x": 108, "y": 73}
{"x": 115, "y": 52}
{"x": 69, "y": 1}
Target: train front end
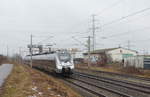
{"x": 65, "y": 64}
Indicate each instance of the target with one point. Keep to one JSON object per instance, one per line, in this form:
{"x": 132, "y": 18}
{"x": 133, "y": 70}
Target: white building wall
{"x": 79, "y": 55}
{"x": 93, "y": 58}
{"x": 117, "y": 54}
{"x": 137, "y": 61}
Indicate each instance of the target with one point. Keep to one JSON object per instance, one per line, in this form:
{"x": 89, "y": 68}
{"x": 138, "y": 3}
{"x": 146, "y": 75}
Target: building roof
{"x": 103, "y": 50}
{"x": 106, "y": 50}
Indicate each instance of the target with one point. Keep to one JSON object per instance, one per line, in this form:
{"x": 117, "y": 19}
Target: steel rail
{"x": 124, "y": 75}
{"x": 88, "y": 90}
{"x": 116, "y": 82}
{"x": 104, "y": 88}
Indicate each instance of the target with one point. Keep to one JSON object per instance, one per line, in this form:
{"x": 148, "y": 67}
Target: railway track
{"x": 97, "y": 90}
{"x": 97, "y": 86}
{"x": 84, "y": 87}
{"x": 85, "y": 91}
{"x": 111, "y": 88}
{"x": 91, "y": 90}
{"x": 117, "y": 74}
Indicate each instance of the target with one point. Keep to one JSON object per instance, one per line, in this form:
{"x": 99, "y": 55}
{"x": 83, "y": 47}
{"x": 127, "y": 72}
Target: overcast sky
{"x": 63, "y": 19}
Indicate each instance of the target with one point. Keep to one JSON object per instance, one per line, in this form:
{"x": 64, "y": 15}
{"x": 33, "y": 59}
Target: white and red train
{"x": 59, "y": 61}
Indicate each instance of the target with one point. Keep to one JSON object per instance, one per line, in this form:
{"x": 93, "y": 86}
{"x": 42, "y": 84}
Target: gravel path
{"x": 5, "y": 70}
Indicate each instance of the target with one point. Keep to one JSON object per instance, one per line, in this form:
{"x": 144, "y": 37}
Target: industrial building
{"x": 103, "y": 56}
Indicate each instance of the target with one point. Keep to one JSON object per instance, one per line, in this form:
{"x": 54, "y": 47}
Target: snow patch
{"x": 40, "y": 93}
{"x": 58, "y": 95}
{"x": 32, "y": 96}
{"x": 34, "y": 88}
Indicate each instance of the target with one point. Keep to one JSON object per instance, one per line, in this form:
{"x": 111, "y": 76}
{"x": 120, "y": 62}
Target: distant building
{"x": 141, "y": 61}
{"x": 77, "y": 55}
{"x": 103, "y": 56}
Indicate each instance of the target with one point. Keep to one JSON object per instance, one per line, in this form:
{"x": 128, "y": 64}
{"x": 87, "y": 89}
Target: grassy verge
{"x": 27, "y": 82}
{"x": 18, "y": 83}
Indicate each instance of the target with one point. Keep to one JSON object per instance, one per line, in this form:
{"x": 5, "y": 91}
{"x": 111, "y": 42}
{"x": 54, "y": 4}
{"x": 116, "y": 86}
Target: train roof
{"x": 52, "y": 52}
{"x": 45, "y": 53}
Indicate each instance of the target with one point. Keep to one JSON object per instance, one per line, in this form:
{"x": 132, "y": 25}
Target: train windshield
{"x": 64, "y": 57}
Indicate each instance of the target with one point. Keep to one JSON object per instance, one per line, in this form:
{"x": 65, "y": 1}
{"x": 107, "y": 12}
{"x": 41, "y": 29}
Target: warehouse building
{"x": 103, "y": 56}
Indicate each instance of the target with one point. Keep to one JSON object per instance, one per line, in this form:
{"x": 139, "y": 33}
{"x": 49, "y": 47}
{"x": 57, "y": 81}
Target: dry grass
{"x": 56, "y": 87}
{"x": 132, "y": 70}
{"x": 147, "y": 73}
{"x": 18, "y": 83}
{"x": 26, "y": 82}
{"x": 107, "y": 67}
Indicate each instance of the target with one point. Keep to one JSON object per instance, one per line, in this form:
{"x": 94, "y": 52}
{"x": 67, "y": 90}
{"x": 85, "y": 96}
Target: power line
{"x": 112, "y": 5}
{"x": 81, "y": 33}
{"x": 45, "y": 39}
{"x": 93, "y": 20}
{"x": 78, "y": 41}
{"x": 78, "y": 24}
{"x": 141, "y": 40}
{"x": 125, "y": 33}
{"x": 127, "y": 16}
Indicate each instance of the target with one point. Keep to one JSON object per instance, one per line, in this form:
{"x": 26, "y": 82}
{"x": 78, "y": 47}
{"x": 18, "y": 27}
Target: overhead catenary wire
{"x": 109, "y": 7}
{"x": 112, "y": 5}
{"x": 94, "y": 25}
{"x": 45, "y": 39}
{"x": 123, "y": 18}
{"x": 127, "y": 16}
{"x": 134, "y": 41}
{"x": 78, "y": 41}
{"x": 125, "y": 33}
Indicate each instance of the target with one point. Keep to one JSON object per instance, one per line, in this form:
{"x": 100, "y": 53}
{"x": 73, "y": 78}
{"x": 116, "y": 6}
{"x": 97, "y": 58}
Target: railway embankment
{"x": 26, "y": 82}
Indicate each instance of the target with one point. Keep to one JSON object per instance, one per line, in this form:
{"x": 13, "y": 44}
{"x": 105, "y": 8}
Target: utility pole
{"x": 20, "y": 55}
{"x": 93, "y": 30}
{"x": 7, "y": 51}
{"x": 89, "y": 50}
{"x": 31, "y": 52}
{"x": 129, "y": 45}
